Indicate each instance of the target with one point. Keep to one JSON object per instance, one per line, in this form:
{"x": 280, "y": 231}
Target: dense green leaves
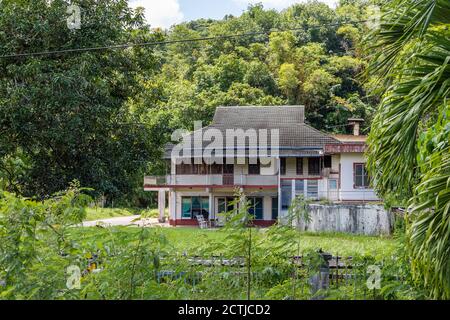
{"x": 409, "y": 141}
{"x": 69, "y": 114}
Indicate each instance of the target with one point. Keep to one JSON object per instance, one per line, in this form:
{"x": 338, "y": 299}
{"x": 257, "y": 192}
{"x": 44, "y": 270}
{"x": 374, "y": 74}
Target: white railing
{"x": 363, "y": 195}
{"x": 156, "y": 180}
{"x": 213, "y": 179}
{"x": 255, "y": 180}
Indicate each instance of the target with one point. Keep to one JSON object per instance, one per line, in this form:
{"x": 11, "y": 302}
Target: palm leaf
{"x": 411, "y": 60}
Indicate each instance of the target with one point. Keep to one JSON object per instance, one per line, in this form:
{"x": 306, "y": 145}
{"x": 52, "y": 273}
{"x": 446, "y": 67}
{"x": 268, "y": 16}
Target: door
{"x": 225, "y": 205}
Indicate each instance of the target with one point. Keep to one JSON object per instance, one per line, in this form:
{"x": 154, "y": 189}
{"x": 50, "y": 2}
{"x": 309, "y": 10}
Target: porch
{"x": 187, "y": 203}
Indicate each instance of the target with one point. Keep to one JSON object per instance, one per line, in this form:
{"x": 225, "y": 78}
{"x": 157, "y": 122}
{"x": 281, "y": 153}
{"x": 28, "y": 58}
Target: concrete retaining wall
{"x": 357, "y": 219}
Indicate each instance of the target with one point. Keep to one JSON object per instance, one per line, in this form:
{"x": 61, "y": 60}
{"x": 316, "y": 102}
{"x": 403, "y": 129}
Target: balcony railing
{"x": 208, "y": 180}
{"x": 156, "y": 180}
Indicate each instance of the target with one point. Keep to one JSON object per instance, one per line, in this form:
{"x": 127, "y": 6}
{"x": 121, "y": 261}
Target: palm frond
{"x": 404, "y": 21}
{"x": 429, "y": 233}
{"x": 411, "y": 61}
{"x": 393, "y": 138}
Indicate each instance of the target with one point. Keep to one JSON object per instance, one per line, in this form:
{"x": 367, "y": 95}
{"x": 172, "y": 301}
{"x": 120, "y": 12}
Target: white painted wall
{"x": 359, "y": 219}
{"x": 347, "y": 191}
{"x": 335, "y": 160}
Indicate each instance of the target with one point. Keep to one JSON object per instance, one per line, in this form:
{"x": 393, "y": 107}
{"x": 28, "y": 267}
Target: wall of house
{"x": 357, "y": 219}
{"x": 175, "y": 202}
{"x": 291, "y": 168}
{"x": 335, "y": 160}
{"x": 347, "y": 190}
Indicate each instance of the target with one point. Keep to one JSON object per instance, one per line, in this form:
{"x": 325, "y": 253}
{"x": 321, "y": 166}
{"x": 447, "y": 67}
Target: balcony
{"x": 210, "y": 180}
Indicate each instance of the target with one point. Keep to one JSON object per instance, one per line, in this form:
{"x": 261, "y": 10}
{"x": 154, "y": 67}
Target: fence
{"x": 316, "y": 276}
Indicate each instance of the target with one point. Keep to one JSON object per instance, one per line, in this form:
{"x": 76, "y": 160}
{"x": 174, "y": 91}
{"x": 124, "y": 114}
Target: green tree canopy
{"x": 68, "y": 114}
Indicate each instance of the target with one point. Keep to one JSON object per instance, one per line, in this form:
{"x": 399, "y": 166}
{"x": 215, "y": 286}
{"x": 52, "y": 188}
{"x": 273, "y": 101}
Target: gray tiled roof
{"x": 258, "y": 117}
{"x": 294, "y": 134}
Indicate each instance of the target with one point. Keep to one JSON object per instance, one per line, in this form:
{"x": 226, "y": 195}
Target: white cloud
{"x": 160, "y": 13}
{"x": 281, "y": 4}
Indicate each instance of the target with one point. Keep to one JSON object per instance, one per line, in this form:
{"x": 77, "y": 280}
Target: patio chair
{"x": 203, "y": 224}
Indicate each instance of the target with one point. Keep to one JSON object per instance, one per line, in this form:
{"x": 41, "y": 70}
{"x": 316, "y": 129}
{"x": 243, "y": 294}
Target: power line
{"x": 156, "y": 43}
{"x": 337, "y": 126}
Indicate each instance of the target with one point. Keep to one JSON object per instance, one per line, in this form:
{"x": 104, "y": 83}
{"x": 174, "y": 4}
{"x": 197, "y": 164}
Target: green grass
{"x": 189, "y": 239}
{"x": 106, "y": 213}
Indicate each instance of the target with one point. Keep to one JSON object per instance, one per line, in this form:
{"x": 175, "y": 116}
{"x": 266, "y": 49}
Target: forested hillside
{"x": 315, "y": 62}
{"x": 102, "y": 117}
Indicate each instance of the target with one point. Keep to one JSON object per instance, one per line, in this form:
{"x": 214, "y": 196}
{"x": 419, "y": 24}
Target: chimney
{"x": 356, "y": 124}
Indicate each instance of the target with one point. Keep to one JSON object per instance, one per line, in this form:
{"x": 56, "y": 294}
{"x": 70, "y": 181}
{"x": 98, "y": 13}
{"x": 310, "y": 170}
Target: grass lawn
{"x": 106, "y": 213}
{"x": 186, "y": 239}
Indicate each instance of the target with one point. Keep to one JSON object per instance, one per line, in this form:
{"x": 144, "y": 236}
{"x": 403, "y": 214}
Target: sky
{"x": 164, "y": 13}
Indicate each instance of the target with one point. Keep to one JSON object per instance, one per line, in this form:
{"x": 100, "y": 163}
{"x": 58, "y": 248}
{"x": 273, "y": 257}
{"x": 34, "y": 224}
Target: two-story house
{"x": 307, "y": 162}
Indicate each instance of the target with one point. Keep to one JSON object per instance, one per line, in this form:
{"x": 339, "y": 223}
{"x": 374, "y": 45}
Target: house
{"x": 304, "y": 161}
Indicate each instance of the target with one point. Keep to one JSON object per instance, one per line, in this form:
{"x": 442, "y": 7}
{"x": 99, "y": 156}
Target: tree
{"x": 69, "y": 113}
{"x": 312, "y": 13}
{"x": 259, "y": 76}
{"x": 317, "y": 87}
{"x": 409, "y": 148}
{"x": 281, "y": 47}
{"x": 230, "y": 69}
{"x": 241, "y": 94}
{"x": 288, "y": 81}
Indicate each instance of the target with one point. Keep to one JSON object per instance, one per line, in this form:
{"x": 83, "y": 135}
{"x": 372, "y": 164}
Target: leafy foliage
{"x": 409, "y": 141}
{"x": 39, "y": 243}
{"x": 68, "y": 116}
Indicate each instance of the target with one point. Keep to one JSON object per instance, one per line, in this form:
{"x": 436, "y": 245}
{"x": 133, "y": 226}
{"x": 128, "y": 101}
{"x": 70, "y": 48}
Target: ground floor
{"x": 267, "y": 204}
{"x": 186, "y": 205}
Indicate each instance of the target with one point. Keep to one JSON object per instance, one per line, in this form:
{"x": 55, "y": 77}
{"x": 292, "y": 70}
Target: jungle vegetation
{"x": 102, "y": 118}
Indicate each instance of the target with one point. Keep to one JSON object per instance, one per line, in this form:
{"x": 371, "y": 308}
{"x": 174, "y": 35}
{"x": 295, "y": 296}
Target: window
{"x": 299, "y": 166}
{"x": 226, "y": 205}
{"x": 184, "y": 168}
{"x": 254, "y": 168}
{"x": 327, "y": 162}
{"x": 275, "y": 208}
{"x": 228, "y": 168}
{"x": 286, "y": 194}
{"x": 256, "y": 207}
{"x": 314, "y": 166}
{"x": 299, "y": 187}
{"x": 186, "y": 208}
{"x": 361, "y": 177}
{"x": 283, "y": 166}
{"x": 194, "y": 206}
{"x": 332, "y": 184}
{"x": 222, "y": 205}
{"x": 193, "y": 168}
{"x": 313, "y": 189}
{"x": 216, "y": 168}
{"x": 203, "y": 169}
